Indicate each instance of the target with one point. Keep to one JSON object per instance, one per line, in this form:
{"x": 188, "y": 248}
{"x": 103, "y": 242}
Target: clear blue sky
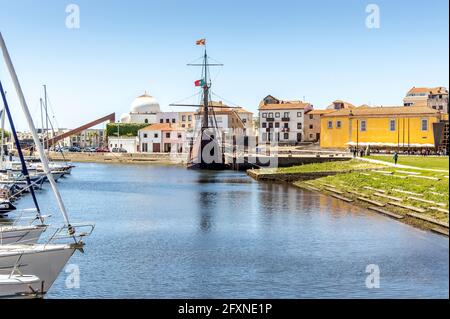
{"x": 320, "y": 50}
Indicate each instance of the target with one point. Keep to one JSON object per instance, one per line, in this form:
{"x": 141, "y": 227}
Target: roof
{"x": 346, "y": 105}
{"x": 294, "y": 105}
{"x": 226, "y": 108}
{"x": 388, "y": 110}
{"x": 160, "y": 127}
{"x": 321, "y": 112}
{"x": 427, "y": 90}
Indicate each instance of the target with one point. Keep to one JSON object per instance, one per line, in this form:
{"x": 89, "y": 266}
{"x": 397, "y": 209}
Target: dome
{"x": 125, "y": 118}
{"x": 145, "y": 104}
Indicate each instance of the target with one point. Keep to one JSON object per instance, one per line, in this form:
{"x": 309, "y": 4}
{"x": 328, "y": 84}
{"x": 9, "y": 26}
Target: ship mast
{"x": 205, "y": 123}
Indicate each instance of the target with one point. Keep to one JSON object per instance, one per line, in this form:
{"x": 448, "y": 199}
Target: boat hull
{"x": 17, "y": 286}
{"x": 21, "y": 235}
{"x": 45, "y": 262}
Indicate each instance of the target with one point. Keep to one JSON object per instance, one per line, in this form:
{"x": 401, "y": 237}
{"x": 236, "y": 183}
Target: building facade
{"x": 435, "y": 98}
{"x": 383, "y": 127}
{"x": 312, "y": 124}
{"x": 162, "y": 138}
{"x": 282, "y": 121}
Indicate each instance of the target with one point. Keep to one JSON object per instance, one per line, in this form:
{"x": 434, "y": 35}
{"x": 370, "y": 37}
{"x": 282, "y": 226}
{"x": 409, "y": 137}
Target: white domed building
{"x": 143, "y": 110}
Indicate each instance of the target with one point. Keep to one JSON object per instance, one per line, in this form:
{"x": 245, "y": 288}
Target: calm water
{"x": 166, "y": 232}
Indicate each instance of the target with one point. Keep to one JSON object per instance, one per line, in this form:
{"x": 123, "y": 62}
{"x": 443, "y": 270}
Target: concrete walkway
{"x": 400, "y": 166}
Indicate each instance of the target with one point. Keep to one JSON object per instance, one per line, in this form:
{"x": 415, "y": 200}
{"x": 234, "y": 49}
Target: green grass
{"x": 356, "y": 181}
{"x": 416, "y": 161}
{"x": 324, "y": 167}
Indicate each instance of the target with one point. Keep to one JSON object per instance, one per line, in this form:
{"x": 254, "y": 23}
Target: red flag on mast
{"x": 201, "y": 42}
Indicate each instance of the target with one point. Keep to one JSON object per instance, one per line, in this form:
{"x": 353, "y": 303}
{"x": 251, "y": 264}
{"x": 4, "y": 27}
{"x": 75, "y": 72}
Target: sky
{"x": 318, "y": 51}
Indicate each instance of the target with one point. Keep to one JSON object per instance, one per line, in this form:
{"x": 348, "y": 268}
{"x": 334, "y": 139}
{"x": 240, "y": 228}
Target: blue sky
{"x": 320, "y": 50}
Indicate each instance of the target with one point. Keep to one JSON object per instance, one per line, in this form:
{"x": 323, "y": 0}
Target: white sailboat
{"x": 42, "y": 260}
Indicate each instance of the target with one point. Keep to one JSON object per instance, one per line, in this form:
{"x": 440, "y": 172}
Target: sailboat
{"x": 42, "y": 260}
{"x": 207, "y": 149}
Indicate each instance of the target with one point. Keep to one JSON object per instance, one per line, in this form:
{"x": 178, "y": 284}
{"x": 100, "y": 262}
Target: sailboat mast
{"x": 46, "y": 117}
{"x": 37, "y": 142}
{"x": 205, "y": 123}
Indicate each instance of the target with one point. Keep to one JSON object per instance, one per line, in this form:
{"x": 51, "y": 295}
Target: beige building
{"x": 436, "y": 98}
{"x": 312, "y": 124}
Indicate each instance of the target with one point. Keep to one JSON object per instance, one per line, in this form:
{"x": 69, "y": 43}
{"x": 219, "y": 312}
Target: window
{"x": 311, "y": 127}
{"x": 271, "y": 125}
{"x": 299, "y": 114}
{"x": 183, "y": 125}
{"x": 167, "y": 135}
{"x": 173, "y": 121}
{"x": 363, "y": 126}
{"x": 286, "y": 114}
{"x": 264, "y": 115}
{"x": 179, "y": 136}
{"x": 144, "y": 147}
{"x": 392, "y": 125}
{"x": 264, "y": 125}
{"x": 189, "y": 117}
{"x": 424, "y": 125}
{"x": 167, "y": 121}
{"x": 183, "y": 118}
{"x": 155, "y": 135}
{"x": 277, "y": 124}
{"x": 277, "y": 114}
{"x": 286, "y": 125}
{"x": 286, "y": 136}
{"x": 264, "y": 137}
{"x": 161, "y": 121}
{"x": 145, "y": 135}
{"x": 311, "y": 117}
{"x": 310, "y": 136}
{"x": 338, "y": 124}
{"x": 299, "y": 126}
{"x": 330, "y": 124}
{"x": 441, "y": 107}
{"x": 270, "y": 115}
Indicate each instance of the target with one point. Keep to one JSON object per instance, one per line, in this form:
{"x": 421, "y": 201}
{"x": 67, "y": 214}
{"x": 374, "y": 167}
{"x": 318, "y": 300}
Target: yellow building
{"x": 388, "y": 127}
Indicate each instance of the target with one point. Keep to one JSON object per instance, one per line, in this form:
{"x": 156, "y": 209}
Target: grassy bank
{"x": 430, "y": 162}
{"x": 414, "y": 196}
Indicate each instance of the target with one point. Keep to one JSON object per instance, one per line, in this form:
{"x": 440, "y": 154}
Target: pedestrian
{"x": 395, "y": 158}
{"x": 361, "y": 152}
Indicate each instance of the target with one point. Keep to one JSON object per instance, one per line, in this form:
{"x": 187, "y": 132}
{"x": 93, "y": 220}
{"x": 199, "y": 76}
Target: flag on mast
{"x": 201, "y": 42}
{"x": 199, "y": 83}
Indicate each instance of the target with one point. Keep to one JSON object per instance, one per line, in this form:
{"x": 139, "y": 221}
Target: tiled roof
{"x": 380, "y": 111}
{"x": 320, "y": 112}
{"x": 427, "y": 90}
{"x": 160, "y": 127}
{"x": 285, "y": 106}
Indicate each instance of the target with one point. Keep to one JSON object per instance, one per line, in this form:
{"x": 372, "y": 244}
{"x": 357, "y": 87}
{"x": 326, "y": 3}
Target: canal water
{"x": 168, "y": 232}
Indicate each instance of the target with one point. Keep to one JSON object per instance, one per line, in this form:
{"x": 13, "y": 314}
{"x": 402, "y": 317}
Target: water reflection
{"x": 187, "y": 234}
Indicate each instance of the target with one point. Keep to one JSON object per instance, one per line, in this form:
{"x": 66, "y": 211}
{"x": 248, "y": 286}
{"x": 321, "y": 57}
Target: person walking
{"x": 395, "y": 157}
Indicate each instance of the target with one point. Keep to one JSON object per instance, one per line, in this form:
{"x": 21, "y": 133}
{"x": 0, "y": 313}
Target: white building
{"x": 282, "y": 121}
{"x": 162, "y": 138}
{"x": 167, "y": 117}
{"x": 144, "y": 109}
{"x": 129, "y": 143}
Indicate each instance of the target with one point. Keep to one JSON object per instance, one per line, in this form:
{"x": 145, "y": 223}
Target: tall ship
{"x": 207, "y": 147}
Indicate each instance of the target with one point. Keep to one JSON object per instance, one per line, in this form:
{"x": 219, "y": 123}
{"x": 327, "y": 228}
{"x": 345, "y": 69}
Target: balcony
{"x": 285, "y": 130}
{"x": 270, "y": 119}
{"x": 285, "y": 119}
